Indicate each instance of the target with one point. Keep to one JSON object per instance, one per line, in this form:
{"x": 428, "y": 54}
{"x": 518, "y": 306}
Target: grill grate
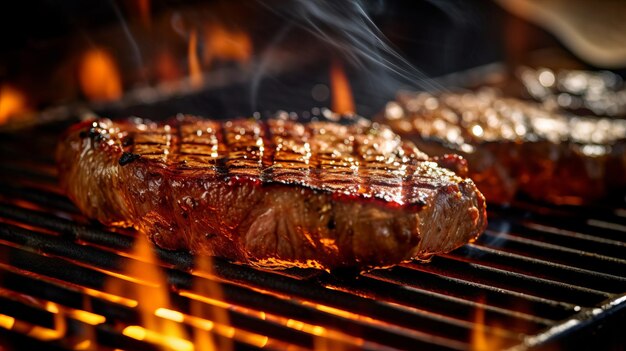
{"x": 539, "y": 275}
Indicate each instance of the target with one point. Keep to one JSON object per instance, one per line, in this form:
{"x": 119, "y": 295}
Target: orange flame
{"x": 195, "y": 72}
{"x": 12, "y": 102}
{"x": 342, "y": 101}
{"x": 480, "y": 340}
{"x": 221, "y": 43}
{"x": 149, "y": 288}
{"x": 209, "y": 289}
{"x": 99, "y": 76}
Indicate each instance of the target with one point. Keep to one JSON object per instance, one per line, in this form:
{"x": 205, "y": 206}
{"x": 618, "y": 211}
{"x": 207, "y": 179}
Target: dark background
{"x": 41, "y": 40}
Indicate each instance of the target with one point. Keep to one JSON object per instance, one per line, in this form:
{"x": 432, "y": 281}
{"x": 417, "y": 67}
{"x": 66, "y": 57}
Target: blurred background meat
{"x": 514, "y": 146}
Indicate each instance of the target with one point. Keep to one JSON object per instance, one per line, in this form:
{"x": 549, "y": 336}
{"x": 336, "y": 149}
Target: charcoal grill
{"x": 540, "y": 277}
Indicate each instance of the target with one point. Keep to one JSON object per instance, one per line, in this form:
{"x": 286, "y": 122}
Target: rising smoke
{"x": 347, "y": 29}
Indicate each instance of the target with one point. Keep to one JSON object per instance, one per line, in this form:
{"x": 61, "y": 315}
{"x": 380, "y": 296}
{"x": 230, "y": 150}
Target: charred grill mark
{"x": 167, "y": 131}
{"x": 257, "y": 149}
{"x": 361, "y": 153}
{"x": 149, "y": 143}
{"x": 176, "y": 142}
{"x": 222, "y": 142}
{"x": 198, "y": 145}
{"x": 127, "y": 158}
{"x": 291, "y": 152}
{"x": 407, "y": 185}
{"x": 356, "y": 160}
{"x": 267, "y": 153}
{"x": 308, "y": 158}
{"x": 314, "y": 160}
{"x": 244, "y": 149}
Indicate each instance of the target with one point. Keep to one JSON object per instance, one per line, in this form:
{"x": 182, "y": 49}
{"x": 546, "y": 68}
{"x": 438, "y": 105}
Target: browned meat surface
{"x": 275, "y": 193}
{"x": 515, "y": 146}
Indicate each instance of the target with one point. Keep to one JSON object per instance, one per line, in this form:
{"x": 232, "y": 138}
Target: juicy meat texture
{"x": 513, "y": 146}
{"x": 274, "y": 193}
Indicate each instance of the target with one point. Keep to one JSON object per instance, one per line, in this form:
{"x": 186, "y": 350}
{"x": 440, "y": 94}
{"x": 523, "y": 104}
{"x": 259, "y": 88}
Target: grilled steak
{"x": 275, "y": 193}
{"x": 515, "y": 146}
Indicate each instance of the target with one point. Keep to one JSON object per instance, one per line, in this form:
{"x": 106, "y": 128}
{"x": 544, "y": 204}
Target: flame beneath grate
{"x": 144, "y": 282}
{"x": 209, "y": 289}
{"x": 480, "y": 339}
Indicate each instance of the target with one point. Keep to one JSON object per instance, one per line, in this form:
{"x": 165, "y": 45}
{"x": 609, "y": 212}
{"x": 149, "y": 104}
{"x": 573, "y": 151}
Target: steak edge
{"x": 277, "y": 193}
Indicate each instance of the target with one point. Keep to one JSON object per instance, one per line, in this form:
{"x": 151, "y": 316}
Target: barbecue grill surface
{"x": 539, "y": 276}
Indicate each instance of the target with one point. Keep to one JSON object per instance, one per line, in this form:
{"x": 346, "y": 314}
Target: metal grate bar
{"x": 541, "y": 268}
{"x": 515, "y": 282}
{"x": 459, "y": 288}
{"x": 558, "y": 254}
{"x": 380, "y": 289}
{"x": 574, "y": 240}
{"x": 578, "y": 220}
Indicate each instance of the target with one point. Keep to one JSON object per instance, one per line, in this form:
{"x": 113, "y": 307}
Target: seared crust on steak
{"x": 513, "y": 146}
{"x": 272, "y": 193}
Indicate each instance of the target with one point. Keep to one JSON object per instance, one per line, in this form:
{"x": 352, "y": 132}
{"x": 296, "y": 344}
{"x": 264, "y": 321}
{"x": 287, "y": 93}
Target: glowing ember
{"x": 12, "y": 102}
{"x": 195, "y": 72}
{"x": 225, "y": 44}
{"x": 342, "y": 102}
{"x": 99, "y": 76}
